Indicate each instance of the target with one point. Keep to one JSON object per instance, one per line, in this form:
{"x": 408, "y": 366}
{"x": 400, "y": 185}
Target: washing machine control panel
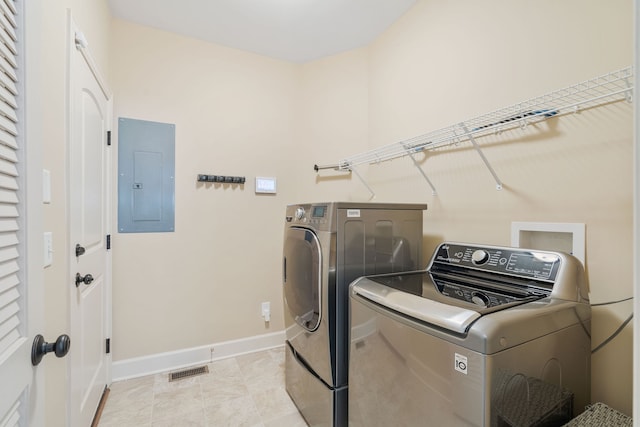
{"x": 521, "y": 263}
{"x": 482, "y": 298}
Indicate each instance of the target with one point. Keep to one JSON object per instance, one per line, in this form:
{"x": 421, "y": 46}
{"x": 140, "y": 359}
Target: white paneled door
{"x": 89, "y": 228}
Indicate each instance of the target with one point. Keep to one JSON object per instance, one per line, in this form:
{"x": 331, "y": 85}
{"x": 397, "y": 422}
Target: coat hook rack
{"x": 221, "y": 179}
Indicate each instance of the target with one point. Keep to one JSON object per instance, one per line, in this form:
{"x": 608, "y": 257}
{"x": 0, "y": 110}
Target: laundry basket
{"x": 600, "y": 415}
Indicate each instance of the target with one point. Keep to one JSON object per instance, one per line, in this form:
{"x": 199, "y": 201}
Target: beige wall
{"x": 93, "y": 18}
{"x": 333, "y": 122}
{"x": 438, "y": 65}
{"x": 445, "y": 62}
{"x": 242, "y": 114}
{"x": 234, "y": 115}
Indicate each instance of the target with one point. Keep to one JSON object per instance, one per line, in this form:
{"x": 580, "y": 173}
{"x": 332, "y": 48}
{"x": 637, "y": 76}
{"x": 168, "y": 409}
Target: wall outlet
{"x": 266, "y": 311}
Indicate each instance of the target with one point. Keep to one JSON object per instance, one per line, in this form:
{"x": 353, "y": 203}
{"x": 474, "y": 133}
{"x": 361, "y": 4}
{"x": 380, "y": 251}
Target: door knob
{"x": 41, "y": 347}
{"x": 86, "y": 279}
{"x": 79, "y": 250}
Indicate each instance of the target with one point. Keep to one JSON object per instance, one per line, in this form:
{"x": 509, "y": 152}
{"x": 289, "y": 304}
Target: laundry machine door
{"x": 302, "y": 269}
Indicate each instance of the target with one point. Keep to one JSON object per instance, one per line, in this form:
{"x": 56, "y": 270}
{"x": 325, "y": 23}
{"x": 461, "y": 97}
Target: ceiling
{"x": 291, "y": 30}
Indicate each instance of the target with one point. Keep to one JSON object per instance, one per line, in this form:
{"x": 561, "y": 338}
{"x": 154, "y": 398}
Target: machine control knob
{"x": 480, "y": 299}
{"x": 479, "y": 257}
{"x": 299, "y": 213}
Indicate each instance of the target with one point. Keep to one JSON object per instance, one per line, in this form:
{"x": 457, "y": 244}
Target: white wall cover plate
{"x": 552, "y": 236}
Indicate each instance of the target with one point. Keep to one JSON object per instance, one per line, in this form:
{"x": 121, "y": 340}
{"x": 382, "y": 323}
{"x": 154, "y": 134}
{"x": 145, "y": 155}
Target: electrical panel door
{"x": 146, "y": 176}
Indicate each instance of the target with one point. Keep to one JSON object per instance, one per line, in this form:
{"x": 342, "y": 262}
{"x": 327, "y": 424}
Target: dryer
{"x": 326, "y": 247}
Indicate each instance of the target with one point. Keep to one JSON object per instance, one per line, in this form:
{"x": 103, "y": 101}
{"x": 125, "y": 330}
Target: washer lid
{"x": 446, "y": 316}
{"x": 447, "y": 302}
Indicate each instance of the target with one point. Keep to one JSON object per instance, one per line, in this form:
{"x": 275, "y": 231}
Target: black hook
{"x": 79, "y": 250}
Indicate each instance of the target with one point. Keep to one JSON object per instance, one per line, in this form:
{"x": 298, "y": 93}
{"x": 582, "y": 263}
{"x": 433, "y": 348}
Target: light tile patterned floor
{"x": 246, "y": 390}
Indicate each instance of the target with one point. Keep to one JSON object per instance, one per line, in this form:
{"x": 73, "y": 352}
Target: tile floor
{"x": 246, "y": 390}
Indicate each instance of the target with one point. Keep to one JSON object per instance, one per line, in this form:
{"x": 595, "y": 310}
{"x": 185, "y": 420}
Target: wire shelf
{"x": 611, "y": 87}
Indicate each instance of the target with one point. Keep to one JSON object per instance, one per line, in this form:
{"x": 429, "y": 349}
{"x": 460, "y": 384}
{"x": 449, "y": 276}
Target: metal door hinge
{"x": 108, "y": 241}
{"x": 108, "y": 137}
{"x": 108, "y": 346}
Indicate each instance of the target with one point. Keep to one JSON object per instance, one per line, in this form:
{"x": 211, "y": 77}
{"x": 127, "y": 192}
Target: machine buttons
{"x": 480, "y": 299}
{"x": 479, "y": 257}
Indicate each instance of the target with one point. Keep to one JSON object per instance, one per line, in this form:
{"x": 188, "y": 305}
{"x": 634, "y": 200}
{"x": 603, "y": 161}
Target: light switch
{"x": 46, "y": 186}
{"x": 48, "y": 248}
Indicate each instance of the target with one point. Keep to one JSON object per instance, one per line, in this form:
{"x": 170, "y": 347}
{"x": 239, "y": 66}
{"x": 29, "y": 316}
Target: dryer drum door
{"x": 302, "y": 269}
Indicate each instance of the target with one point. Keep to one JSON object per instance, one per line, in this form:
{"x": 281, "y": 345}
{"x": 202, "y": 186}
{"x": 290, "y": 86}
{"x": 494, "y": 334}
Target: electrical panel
{"x": 146, "y": 176}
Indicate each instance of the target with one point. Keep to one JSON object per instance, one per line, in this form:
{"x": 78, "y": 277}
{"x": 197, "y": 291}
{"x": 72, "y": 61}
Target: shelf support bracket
{"x": 415, "y": 163}
{"x": 482, "y": 156}
{"x": 337, "y": 167}
{"x": 628, "y": 94}
{"x": 354, "y": 170}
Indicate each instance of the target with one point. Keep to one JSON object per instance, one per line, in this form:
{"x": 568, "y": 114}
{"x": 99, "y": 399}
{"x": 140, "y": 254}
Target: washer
{"x": 485, "y": 336}
{"x": 326, "y": 247}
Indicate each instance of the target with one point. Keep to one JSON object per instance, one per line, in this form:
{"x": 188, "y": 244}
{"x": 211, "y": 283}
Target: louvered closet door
{"x": 15, "y": 345}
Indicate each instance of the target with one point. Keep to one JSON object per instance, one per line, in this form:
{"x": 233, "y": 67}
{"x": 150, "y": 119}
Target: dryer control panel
{"x": 316, "y": 216}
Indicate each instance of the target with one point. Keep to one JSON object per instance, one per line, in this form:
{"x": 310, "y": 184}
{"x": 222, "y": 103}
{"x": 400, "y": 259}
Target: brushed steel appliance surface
{"x": 485, "y": 336}
{"x": 326, "y": 247}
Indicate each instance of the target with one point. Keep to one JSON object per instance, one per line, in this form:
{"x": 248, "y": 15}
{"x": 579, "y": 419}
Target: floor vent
{"x": 186, "y": 373}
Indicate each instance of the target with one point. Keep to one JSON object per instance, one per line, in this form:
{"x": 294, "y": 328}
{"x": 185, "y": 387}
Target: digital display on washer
{"x": 537, "y": 265}
{"x": 319, "y": 211}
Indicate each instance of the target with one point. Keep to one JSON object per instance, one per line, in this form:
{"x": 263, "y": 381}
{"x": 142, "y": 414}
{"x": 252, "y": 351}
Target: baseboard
{"x": 172, "y": 360}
